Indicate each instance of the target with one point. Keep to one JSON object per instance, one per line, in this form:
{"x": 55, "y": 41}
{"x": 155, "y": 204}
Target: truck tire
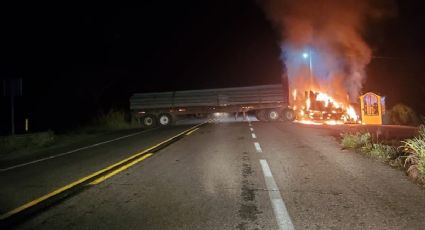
{"x": 165, "y": 119}
{"x": 261, "y": 115}
{"x": 289, "y": 114}
{"x": 273, "y": 114}
{"x": 149, "y": 121}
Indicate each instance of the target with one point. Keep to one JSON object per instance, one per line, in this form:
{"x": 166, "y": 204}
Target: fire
{"x": 308, "y": 103}
{"x": 334, "y": 122}
{"x": 327, "y": 100}
{"x": 352, "y": 113}
{"x": 308, "y": 122}
{"x": 318, "y": 108}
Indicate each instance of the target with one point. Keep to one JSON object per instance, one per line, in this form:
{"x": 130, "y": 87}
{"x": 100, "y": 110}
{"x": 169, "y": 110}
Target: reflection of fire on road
{"x": 320, "y": 108}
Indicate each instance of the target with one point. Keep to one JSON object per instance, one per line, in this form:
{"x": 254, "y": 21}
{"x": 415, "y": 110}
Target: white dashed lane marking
{"x": 258, "y": 147}
{"x": 281, "y": 213}
{"x": 279, "y": 208}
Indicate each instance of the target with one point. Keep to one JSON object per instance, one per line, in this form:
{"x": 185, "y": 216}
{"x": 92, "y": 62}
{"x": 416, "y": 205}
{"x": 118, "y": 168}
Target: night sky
{"x": 78, "y": 61}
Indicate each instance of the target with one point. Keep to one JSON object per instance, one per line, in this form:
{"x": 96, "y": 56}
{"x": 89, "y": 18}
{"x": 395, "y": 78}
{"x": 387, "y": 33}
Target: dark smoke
{"x": 331, "y": 31}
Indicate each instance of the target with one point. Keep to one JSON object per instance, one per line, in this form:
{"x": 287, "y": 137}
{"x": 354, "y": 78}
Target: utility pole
{"x": 12, "y": 87}
{"x": 12, "y": 113}
{"x": 311, "y": 67}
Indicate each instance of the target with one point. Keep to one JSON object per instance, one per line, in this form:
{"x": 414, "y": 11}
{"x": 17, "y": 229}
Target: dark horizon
{"x": 78, "y": 62}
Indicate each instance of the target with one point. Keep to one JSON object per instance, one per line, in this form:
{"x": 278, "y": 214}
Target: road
{"x": 224, "y": 175}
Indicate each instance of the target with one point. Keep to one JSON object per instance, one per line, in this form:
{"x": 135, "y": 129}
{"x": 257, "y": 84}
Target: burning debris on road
{"x": 320, "y": 108}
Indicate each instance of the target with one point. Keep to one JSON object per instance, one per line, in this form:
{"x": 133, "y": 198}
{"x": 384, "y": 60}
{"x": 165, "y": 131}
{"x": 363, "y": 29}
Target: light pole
{"x": 305, "y": 56}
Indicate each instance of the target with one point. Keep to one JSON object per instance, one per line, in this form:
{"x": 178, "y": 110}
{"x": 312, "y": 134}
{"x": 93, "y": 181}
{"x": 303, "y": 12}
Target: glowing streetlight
{"x": 308, "y": 55}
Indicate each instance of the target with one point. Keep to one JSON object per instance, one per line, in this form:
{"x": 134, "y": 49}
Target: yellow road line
{"x": 113, "y": 173}
{"x": 43, "y": 198}
{"x": 91, "y": 176}
{"x": 190, "y": 132}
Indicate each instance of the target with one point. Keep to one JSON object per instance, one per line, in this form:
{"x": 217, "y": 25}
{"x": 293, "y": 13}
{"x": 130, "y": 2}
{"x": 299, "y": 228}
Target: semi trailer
{"x": 266, "y": 102}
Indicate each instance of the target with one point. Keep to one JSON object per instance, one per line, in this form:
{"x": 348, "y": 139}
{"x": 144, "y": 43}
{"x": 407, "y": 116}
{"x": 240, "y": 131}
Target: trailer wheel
{"x": 165, "y": 119}
{"x": 149, "y": 121}
{"x": 273, "y": 115}
{"x": 261, "y": 115}
{"x": 289, "y": 114}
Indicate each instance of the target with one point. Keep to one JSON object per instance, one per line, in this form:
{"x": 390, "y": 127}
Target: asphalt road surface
{"x": 224, "y": 175}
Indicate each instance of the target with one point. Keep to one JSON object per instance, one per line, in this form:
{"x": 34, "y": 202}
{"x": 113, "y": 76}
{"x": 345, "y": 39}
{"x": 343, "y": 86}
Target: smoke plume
{"x": 322, "y": 43}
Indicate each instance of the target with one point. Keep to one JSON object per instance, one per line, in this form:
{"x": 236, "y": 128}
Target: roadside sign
{"x": 12, "y": 87}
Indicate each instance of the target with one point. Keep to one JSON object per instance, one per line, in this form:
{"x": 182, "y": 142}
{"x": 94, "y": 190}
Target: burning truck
{"x": 265, "y": 102}
{"x": 319, "y": 108}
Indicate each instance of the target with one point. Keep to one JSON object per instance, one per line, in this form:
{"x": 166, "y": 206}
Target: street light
{"x": 305, "y": 56}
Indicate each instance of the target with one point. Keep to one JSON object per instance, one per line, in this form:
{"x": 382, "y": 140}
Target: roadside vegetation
{"x": 110, "y": 121}
{"x": 408, "y": 155}
{"x": 104, "y": 123}
{"x": 415, "y": 148}
{"x": 12, "y": 143}
{"x": 401, "y": 114}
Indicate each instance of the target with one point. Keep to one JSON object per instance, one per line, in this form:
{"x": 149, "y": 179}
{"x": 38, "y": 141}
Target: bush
{"x": 381, "y": 151}
{"x": 42, "y": 139}
{"x": 8, "y": 144}
{"x": 13, "y": 143}
{"x": 415, "y": 147}
{"x": 356, "y": 140}
{"x": 363, "y": 143}
{"x": 411, "y": 158}
{"x": 403, "y": 115}
{"x": 113, "y": 120}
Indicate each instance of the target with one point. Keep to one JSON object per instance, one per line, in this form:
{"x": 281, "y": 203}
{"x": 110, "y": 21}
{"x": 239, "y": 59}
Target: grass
{"x": 110, "y": 121}
{"x": 381, "y": 151}
{"x": 36, "y": 140}
{"x": 363, "y": 143}
{"x": 410, "y": 155}
{"x": 415, "y": 147}
{"x": 104, "y": 123}
{"x": 355, "y": 140}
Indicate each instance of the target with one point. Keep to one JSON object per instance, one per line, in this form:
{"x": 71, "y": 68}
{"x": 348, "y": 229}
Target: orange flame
{"x": 318, "y": 108}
